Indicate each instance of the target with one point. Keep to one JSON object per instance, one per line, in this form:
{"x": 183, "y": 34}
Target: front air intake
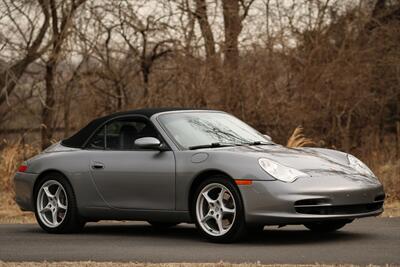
{"x": 338, "y": 210}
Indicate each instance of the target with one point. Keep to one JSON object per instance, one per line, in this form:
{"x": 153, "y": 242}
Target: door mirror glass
{"x": 148, "y": 143}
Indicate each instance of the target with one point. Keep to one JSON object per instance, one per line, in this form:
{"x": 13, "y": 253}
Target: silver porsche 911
{"x": 168, "y": 166}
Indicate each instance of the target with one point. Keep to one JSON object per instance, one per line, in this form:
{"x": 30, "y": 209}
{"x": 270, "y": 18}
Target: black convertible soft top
{"x": 79, "y": 138}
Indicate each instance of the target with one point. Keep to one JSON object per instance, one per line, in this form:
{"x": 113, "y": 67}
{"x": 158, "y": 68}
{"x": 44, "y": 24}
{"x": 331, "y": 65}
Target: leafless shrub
{"x": 12, "y": 155}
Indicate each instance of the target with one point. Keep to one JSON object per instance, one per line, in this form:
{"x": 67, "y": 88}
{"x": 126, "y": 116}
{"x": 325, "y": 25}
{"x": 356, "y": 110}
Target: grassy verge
{"x": 133, "y": 264}
{"x": 10, "y": 212}
{"x": 392, "y": 209}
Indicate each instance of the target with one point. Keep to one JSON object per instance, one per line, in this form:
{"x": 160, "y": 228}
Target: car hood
{"x": 308, "y": 160}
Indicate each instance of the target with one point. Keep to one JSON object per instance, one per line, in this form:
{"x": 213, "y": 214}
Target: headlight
{"x": 359, "y": 166}
{"x": 280, "y": 172}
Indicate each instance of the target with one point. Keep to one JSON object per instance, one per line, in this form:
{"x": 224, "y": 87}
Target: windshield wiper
{"x": 210, "y": 146}
{"x": 257, "y": 143}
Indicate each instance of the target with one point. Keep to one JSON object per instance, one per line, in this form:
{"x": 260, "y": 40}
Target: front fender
{"x": 234, "y": 165}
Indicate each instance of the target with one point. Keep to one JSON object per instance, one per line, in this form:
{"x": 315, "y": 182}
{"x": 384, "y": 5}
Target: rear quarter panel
{"x": 75, "y": 166}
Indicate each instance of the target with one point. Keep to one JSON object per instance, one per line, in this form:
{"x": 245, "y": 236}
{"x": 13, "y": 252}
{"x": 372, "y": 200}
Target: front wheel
{"x": 55, "y": 208}
{"x": 325, "y": 227}
{"x": 219, "y": 210}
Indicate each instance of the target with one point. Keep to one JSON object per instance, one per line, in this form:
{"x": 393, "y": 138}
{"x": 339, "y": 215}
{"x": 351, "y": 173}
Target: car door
{"x": 127, "y": 177}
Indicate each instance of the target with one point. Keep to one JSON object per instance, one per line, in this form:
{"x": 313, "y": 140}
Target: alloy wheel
{"x": 215, "y": 209}
{"x": 52, "y": 203}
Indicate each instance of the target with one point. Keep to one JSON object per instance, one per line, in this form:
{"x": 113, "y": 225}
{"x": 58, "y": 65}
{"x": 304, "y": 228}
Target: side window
{"x": 120, "y": 134}
{"x": 97, "y": 141}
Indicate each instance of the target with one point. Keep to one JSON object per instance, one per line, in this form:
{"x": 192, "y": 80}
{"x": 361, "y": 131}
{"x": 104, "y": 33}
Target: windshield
{"x": 191, "y": 129}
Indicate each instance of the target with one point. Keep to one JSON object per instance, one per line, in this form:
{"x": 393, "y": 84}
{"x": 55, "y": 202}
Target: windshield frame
{"x": 181, "y": 147}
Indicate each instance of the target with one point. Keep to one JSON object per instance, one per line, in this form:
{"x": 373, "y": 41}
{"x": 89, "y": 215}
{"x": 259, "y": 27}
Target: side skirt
{"x": 104, "y": 213}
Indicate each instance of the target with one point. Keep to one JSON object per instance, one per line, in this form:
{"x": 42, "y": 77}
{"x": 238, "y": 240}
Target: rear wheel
{"x": 219, "y": 210}
{"x": 328, "y": 226}
{"x": 55, "y": 207}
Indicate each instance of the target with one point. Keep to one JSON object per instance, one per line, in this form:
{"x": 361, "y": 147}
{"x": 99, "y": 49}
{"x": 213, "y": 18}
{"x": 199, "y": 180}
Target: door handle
{"x": 97, "y": 165}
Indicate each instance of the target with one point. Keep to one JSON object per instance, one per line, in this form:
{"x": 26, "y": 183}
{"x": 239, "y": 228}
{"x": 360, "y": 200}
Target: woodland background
{"x": 331, "y": 66}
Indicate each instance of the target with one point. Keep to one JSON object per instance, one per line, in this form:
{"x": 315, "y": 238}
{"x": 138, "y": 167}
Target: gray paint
{"x": 199, "y": 157}
{"x": 154, "y": 185}
{"x": 135, "y": 179}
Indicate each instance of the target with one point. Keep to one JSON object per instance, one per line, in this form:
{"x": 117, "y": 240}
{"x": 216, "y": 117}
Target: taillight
{"x": 23, "y": 167}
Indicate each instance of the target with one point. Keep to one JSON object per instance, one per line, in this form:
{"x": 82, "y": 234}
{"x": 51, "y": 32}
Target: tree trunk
{"x": 232, "y": 27}
{"x": 48, "y": 108}
{"x": 205, "y": 28}
{"x": 215, "y": 91}
{"x": 67, "y": 110}
{"x": 145, "y": 67}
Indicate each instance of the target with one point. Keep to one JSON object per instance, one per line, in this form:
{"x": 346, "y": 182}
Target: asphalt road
{"x": 371, "y": 240}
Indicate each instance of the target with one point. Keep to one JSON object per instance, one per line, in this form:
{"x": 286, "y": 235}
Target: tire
{"x": 55, "y": 205}
{"x": 327, "y": 226}
{"x": 162, "y": 225}
{"x": 225, "y": 208}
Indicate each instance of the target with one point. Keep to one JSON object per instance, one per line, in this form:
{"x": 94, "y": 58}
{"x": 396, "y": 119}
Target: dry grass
{"x": 11, "y": 156}
{"x": 298, "y": 139}
{"x": 389, "y": 174}
{"x": 10, "y": 212}
{"x": 134, "y": 264}
{"x": 392, "y": 209}
{"x": 382, "y": 156}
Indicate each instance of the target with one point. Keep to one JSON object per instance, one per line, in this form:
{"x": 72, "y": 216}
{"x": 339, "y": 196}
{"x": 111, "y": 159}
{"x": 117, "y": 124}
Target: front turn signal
{"x": 243, "y": 182}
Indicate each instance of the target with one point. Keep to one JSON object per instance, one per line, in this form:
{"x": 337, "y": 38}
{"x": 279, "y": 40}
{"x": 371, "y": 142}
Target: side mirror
{"x": 148, "y": 143}
{"x": 266, "y": 136}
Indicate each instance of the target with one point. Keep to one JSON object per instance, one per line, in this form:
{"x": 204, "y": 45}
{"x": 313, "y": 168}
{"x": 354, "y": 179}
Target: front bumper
{"x": 311, "y": 199}
{"x": 23, "y": 185}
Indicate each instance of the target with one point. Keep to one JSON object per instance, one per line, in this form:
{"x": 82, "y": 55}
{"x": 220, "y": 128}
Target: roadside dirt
{"x": 132, "y": 264}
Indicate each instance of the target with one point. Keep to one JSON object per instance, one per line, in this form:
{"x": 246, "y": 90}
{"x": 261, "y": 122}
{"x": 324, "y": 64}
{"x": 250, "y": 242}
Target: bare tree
{"x": 137, "y": 34}
{"x": 62, "y": 15}
{"x": 234, "y": 12}
{"x": 30, "y": 40}
{"x": 328, "y": 66}
{"x": 206, "y": 31}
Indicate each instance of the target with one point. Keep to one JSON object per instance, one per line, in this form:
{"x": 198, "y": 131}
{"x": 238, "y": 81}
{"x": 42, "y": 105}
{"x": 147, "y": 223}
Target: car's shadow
{"x": 270, "y": 236}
